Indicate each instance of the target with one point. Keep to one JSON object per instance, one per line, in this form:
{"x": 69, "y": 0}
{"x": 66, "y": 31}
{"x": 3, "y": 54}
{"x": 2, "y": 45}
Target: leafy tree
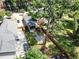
{"x": 54, "y": 10}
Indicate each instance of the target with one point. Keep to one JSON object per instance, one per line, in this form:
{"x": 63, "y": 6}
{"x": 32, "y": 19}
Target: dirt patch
{"x": 77, "y": 50}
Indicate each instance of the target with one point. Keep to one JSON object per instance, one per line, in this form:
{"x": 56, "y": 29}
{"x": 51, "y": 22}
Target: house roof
{"x": 8, "y": 32}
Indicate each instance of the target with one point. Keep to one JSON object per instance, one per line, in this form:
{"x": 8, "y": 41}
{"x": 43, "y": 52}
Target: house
{"x": 29, "y": 23}
{"x": 8, "y": 33}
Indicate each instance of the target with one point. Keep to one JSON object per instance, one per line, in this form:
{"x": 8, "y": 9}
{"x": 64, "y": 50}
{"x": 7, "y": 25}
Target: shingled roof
{"x": 8, "y": 32}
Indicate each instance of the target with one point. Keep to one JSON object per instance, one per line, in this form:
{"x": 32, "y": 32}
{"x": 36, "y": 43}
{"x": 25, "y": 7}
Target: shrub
{"x": 30, "y": 38}
{"x": 2, "y": 13}
{"x": 8, "y": 13}
{"x": 35, "y": 53}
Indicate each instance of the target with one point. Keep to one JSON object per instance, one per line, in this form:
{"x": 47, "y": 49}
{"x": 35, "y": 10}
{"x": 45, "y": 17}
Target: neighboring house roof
{"x": 29, "y": 22}
{"x": 8, "y": 32}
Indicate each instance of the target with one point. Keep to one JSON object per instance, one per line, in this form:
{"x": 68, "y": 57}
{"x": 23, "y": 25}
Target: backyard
{"x": 61, "y": 30}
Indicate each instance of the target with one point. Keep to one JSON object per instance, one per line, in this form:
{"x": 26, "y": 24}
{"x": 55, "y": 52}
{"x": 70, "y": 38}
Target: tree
{"x": 53, "y": 10}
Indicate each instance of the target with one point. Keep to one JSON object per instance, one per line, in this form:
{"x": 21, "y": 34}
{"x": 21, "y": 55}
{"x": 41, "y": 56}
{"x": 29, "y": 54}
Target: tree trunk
{"x": 56, "y": 43}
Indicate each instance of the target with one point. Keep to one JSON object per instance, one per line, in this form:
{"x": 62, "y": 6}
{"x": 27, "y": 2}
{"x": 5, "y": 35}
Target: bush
{"x": 1, "y": 15}
{"x": 30, "y": 38}
{"x": 8, "y": 13}
{"x": 19, "y": 58}
{"x": 35, "y": 53}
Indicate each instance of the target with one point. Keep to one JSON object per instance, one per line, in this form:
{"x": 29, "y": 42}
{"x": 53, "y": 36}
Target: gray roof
{"x": 8, "y": 31}
{"x": 27, "y": 19}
